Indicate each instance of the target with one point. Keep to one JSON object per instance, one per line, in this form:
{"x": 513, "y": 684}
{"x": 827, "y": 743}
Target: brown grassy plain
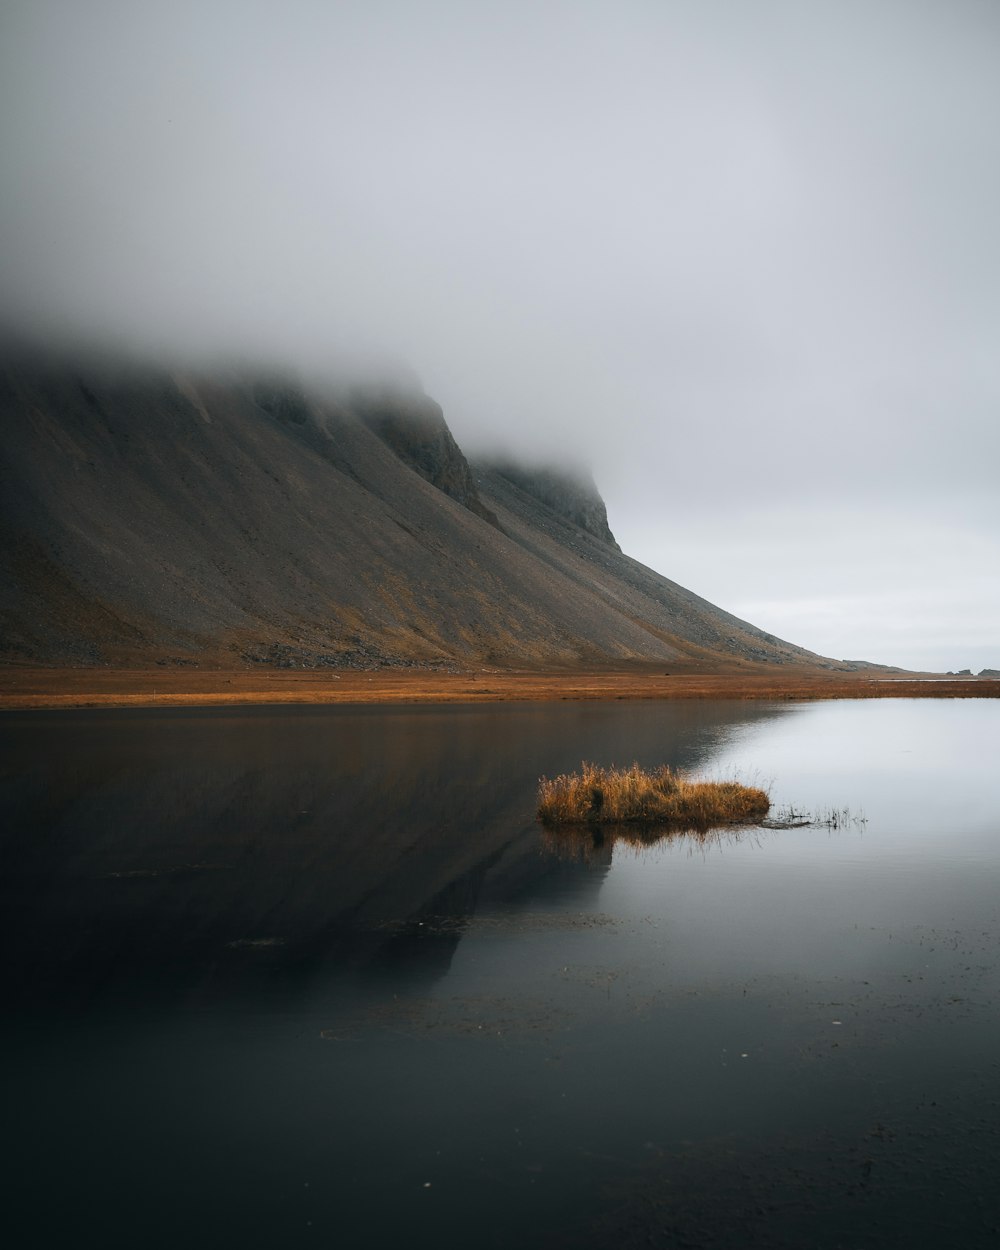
{"x": 27, "y": 688}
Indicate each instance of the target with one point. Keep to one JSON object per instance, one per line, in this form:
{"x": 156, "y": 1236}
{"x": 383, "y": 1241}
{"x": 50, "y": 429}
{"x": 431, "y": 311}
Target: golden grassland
{"x": 23, "y": 687}
{"x": 628, "y": 796}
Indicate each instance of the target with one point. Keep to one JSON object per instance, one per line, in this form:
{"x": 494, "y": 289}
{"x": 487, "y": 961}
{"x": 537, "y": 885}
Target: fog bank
{"x": 741, "y": 259}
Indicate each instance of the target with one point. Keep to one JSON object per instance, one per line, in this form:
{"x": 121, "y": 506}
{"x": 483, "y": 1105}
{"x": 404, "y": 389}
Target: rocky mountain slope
{"x": 162, "y": 516}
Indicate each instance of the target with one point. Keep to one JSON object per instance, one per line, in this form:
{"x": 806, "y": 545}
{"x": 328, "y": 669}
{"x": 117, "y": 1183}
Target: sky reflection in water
{"x": 281, "y": 976}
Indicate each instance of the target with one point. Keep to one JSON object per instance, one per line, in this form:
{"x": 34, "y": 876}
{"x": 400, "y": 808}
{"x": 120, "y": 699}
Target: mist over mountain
{"x": 741, "y": 260}
{"x": 170, "y": 515}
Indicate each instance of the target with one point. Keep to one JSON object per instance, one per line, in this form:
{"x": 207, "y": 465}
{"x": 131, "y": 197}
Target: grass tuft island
{"x": 620, "y": 796}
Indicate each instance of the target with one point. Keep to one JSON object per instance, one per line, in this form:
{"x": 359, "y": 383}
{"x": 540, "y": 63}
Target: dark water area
{"x": 315, "y": 976}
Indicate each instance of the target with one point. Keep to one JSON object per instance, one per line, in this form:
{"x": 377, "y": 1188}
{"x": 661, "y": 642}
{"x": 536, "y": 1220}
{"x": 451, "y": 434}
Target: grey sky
{"x": 740, "y": 257}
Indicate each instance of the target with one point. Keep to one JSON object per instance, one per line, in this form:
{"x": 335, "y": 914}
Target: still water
{"x": 315, "y": 977}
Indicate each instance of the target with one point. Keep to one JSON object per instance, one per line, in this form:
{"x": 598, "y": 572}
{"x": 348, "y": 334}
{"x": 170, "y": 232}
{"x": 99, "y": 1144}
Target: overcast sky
{"x": 742, "y": 258}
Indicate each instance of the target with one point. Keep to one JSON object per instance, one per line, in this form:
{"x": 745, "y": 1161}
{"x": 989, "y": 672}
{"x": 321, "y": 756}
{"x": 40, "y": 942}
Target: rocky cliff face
{"x": 413, "y": 426}
{"x": 570, "y": 495}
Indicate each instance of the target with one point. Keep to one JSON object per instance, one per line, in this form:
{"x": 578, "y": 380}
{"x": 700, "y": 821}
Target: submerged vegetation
{"x": 633, "y": 796}
{"x": 790, "y": 817}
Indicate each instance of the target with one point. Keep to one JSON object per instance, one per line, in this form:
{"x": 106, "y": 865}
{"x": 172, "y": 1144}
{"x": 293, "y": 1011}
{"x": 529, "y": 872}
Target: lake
{"x": 309, "y": 976}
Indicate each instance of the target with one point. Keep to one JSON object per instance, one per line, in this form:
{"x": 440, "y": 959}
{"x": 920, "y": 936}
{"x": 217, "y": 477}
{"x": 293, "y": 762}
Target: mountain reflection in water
{"x": 160, "y": 855}
{"x": 308, "y": 976}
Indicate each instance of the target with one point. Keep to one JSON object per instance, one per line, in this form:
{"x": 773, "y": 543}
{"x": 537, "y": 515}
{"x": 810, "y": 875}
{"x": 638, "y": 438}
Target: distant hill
{"x": 157, "y": 516}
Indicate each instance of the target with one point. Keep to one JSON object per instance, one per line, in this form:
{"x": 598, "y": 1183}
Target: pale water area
{"x": 316, "y": 977}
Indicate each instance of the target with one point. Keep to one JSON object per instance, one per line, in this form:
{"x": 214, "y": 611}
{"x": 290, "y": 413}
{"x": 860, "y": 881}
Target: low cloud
{"x": 722, "y": 253}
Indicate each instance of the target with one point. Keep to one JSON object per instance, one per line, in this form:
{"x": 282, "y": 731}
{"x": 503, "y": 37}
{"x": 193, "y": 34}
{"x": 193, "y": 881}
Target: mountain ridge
{"x": 158, "y": 515}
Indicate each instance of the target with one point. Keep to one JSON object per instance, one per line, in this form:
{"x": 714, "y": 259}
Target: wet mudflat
{"x": 308, "y": 975}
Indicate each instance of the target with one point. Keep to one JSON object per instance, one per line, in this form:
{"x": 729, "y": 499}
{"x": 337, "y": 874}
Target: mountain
{"x": 229, "y": 517}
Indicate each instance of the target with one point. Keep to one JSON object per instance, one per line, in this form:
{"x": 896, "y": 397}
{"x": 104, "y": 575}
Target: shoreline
{"x": 27, "y": 689}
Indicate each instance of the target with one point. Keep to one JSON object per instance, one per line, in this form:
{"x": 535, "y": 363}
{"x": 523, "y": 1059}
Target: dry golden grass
{"x": 623, "y": 796}
{"x": 24, "y": 687}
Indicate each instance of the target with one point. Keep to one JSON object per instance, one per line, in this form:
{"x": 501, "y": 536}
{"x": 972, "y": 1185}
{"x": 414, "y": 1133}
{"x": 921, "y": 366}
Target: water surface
{"x": 308, "y": 976}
